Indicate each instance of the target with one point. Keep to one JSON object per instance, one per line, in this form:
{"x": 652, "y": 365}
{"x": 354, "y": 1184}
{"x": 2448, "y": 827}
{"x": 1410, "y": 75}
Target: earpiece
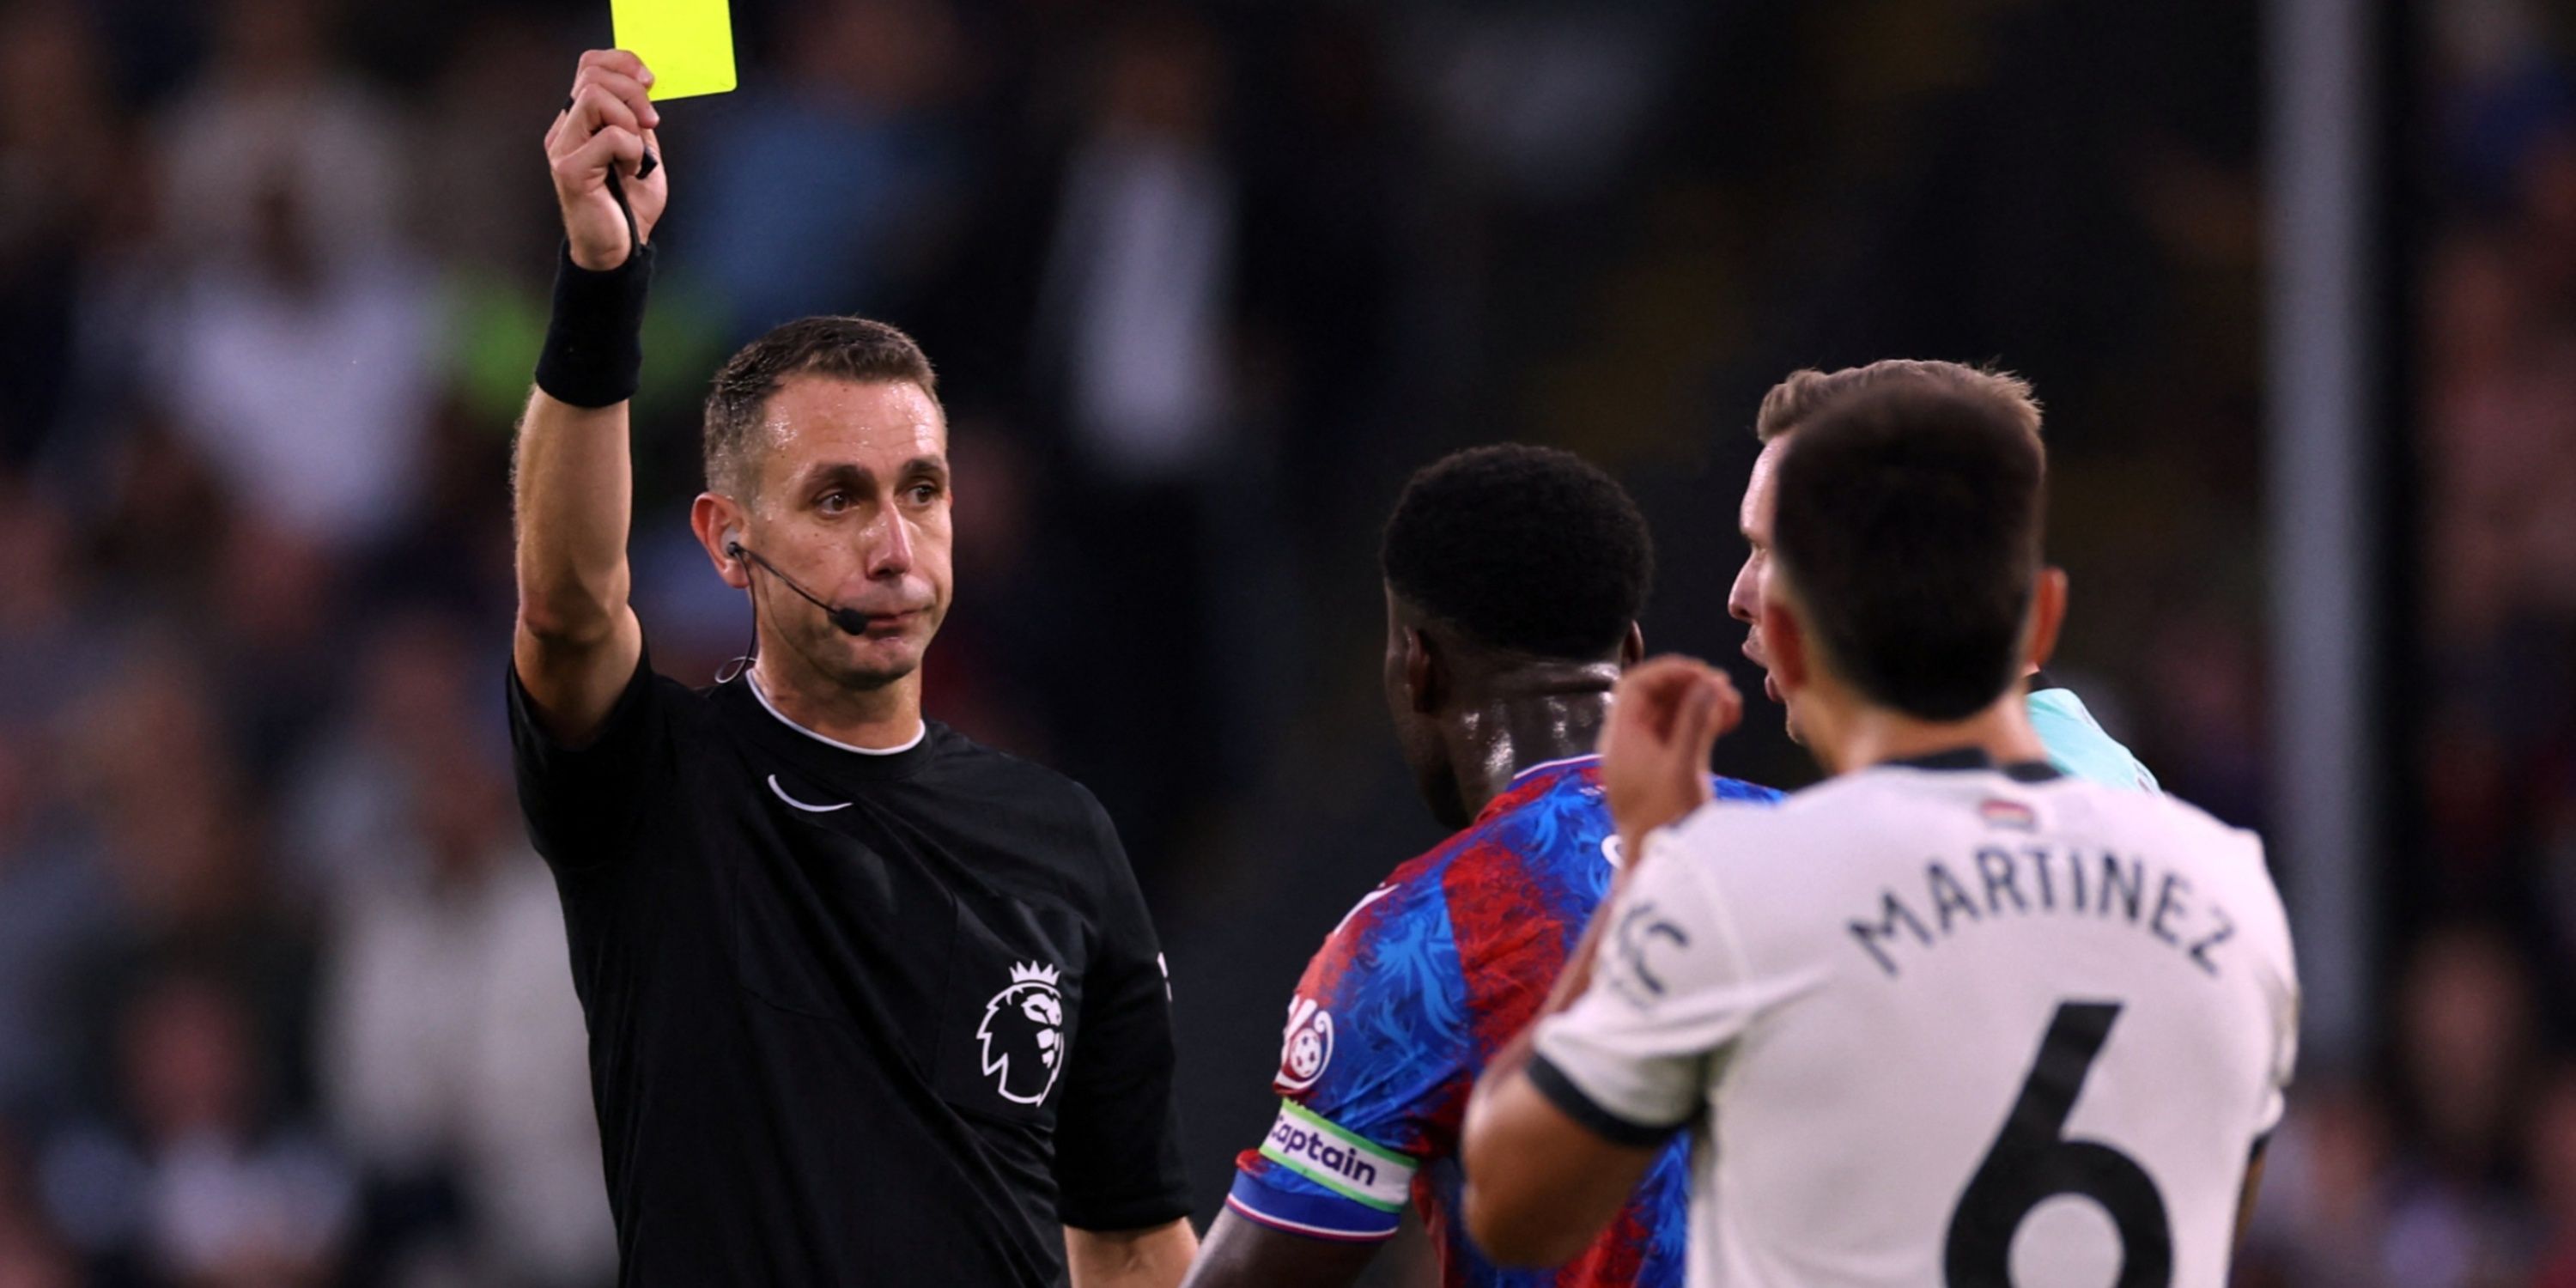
{"x": 850, "y": 620}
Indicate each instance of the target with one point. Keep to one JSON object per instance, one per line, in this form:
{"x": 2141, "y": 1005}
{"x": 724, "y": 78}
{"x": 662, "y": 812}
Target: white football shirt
{"x": 1943, "y": 1024}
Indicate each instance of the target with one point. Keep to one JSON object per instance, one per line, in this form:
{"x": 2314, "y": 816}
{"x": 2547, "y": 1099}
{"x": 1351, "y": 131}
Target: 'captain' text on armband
{"x": 2002, "y": 884}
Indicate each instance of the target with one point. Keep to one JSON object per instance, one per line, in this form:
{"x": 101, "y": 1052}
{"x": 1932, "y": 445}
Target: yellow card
{"x": 688, "y": 44}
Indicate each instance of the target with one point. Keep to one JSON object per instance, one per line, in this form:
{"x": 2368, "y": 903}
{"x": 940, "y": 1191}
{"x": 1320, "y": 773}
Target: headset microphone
{"x": 850, "y": 620}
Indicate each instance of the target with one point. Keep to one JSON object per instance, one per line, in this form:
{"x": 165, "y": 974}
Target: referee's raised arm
{"x": 577, "y": 642}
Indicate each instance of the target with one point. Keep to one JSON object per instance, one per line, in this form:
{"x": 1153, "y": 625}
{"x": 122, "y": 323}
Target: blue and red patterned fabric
{"x": 1427, "y": 977}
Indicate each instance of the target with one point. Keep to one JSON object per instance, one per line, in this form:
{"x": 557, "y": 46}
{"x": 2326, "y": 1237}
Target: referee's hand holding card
{"x": 600, "y": 146}
{"x": 867, "y": 1002}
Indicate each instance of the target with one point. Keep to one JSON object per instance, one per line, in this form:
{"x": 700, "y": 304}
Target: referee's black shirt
{"x": 823, "y": 988}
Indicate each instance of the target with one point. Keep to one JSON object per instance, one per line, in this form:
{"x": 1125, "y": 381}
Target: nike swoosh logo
{"x": 781, "y": 793}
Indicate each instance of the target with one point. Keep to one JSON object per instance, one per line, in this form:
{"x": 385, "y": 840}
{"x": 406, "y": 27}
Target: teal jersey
{"x": 2078, "y": 745}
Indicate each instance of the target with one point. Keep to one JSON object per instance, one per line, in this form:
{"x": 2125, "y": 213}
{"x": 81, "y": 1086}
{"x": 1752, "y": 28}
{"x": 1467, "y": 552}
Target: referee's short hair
{"x": 1806, "y": 394}
{"x": 1528, "y": 549}
{"x": 1908, "y": 529}
{"x": 845, "y": 348}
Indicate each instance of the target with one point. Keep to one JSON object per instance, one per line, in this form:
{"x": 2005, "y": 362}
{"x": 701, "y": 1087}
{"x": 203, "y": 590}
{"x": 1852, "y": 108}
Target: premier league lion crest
{"x": 1023, "y": 1034}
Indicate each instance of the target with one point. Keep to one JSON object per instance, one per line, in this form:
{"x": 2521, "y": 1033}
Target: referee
{"x": 868, "y": 1003}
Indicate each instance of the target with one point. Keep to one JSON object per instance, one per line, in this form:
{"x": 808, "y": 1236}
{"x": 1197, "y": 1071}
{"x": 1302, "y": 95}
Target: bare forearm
{"x": 575, "y": 490}
{"x": 1151, "y": 1258}
{"x": 1540, "y": 1186}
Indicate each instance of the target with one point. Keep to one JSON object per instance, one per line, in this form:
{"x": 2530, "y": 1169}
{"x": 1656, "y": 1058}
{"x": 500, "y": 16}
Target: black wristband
{"x": 594, "y": 351}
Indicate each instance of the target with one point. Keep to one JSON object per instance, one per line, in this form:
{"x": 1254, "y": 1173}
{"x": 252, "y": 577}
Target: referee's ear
{"x": 717, "y": 521}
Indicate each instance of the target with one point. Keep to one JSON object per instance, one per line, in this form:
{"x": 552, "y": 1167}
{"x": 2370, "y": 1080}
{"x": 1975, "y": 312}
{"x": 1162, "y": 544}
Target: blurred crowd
{"x": 282, "y": 990}
{"x": 2451, "y": 1161}
{"x": 281, "y": 994}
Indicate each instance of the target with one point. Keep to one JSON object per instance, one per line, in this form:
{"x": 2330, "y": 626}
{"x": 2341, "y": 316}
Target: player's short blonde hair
{"x": 1805, "y": 394}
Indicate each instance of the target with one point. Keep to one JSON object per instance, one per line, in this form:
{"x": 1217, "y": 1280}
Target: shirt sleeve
{"x": 1118, "y": 1136}
{"x": 582, "y": 802}
{"x": 1373, "y": 1071}
{"x": 1631, "y": 1058}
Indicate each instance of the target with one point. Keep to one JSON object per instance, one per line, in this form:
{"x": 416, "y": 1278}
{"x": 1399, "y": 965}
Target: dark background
{"x": 282, "y": 993}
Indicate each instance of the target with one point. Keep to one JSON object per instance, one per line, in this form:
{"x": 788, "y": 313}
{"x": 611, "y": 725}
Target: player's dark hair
{"x": 1806, "y": 394}
{"x": 1524, "y": 548}
{"x": 846, "y": 348}
{"x": 1908, "y": 529}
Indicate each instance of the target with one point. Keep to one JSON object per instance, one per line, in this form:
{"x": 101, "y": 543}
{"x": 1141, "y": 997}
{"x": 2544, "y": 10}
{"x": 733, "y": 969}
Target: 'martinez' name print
{"x": 1998, "y": 882}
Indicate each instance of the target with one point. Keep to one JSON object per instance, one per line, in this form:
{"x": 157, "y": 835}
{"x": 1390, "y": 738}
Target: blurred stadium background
{"x": 282, "y": 993}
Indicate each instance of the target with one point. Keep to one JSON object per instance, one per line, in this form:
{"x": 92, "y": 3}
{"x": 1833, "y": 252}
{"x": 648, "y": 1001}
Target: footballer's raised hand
{"x": 1665, "y": 717}
{"x": 606, "y": 127}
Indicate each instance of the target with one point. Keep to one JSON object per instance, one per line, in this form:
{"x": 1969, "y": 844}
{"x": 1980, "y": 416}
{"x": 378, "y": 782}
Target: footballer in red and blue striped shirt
{"x": 1514, "y": 576}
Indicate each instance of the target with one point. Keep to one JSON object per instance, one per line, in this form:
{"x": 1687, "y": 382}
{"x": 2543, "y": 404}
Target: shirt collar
{"x": 1533, "y": 782}
{"x": 1545, "y": 765}
{"x": 1974, "y": 758}
{"x": 766, "y": 705}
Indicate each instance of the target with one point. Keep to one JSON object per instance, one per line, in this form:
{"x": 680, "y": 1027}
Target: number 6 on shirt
{"x": 2032, "y": 1162}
